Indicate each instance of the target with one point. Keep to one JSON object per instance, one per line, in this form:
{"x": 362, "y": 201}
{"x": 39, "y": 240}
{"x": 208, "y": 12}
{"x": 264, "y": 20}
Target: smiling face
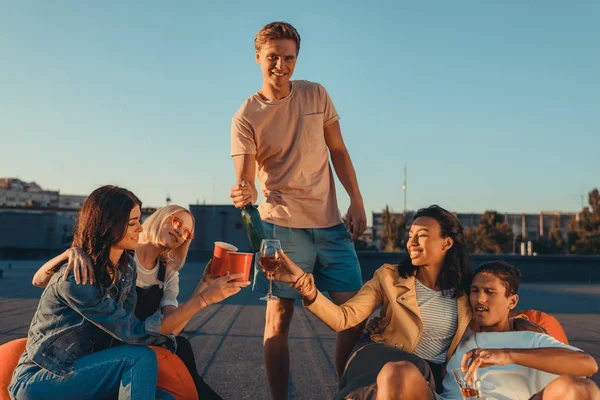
{"x": 425, "y": 244}
{"x": 132, "y": 231}
{"x": 490, "y": 302}
{"x": 173, "y": 230}
{"x": 277, "y": 60}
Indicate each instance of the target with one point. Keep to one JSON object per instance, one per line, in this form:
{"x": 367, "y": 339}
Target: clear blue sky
{"x": 492, "y": 104}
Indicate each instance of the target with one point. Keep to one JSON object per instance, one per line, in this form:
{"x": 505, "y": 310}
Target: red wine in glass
{"x": 470, "y": 393}
{"x": 270, "y": 260}
{"x": 271, "y": 264}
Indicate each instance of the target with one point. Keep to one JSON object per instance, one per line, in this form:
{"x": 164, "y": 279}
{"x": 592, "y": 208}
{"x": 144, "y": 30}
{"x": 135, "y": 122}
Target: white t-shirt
{"x": 503, "y": 382}
{"x": 148, "y": 277}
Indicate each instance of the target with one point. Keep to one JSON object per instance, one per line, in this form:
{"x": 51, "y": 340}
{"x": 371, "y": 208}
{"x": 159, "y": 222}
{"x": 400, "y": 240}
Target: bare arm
{"x": 207, "y": 278}
{"x": 43, "y": 275}
{"x": 244, "y": 191}
{"x": 167, "y": 310}
{"x": 338, "y": 318}
{"x": 77, "y": 260}
{"x": 216, "y": 291}
{"x": 554, "y": 360}
{"x": 345, "y": 172}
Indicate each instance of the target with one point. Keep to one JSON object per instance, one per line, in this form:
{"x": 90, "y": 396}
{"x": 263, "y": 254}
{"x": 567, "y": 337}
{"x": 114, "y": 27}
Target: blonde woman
{"x": 160, "y": 254}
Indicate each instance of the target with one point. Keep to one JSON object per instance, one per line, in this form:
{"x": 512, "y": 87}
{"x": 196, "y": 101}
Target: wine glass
{"x": 270, "y": 259}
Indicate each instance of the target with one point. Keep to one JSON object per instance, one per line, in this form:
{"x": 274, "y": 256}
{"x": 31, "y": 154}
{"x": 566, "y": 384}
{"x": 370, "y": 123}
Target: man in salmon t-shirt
{"x": 284, "y": 134}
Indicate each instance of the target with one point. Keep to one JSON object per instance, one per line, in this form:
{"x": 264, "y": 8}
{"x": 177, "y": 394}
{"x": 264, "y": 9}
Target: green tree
{"x": 554, "y": 242}
{"x": 394, "y": 227}
{"x": 402, "y": 232}
{"x": 492, "y": 235}
{"x": 470, "y": 239}
{"x": 584, "y": 235}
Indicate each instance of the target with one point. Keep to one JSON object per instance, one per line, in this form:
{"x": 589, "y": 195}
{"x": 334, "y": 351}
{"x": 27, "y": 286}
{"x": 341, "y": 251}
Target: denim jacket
{"x": 74, "y": 320}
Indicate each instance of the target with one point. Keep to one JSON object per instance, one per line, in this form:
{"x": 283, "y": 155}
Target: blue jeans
{"x": 327, "y": 253}
{"x": 126, "y": 371}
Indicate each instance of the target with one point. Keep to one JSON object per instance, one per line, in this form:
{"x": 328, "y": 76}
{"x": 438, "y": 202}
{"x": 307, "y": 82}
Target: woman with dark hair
{"x": 160, "y": 255}
{"x": 425, "y": 306}
{"x": 84, "y": 340}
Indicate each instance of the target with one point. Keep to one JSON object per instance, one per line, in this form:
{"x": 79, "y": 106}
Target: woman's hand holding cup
{"x": 222, "y": 288}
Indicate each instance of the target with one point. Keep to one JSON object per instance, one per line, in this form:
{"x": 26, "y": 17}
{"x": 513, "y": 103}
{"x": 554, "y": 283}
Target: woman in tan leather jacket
{"x": 424, "y": 300}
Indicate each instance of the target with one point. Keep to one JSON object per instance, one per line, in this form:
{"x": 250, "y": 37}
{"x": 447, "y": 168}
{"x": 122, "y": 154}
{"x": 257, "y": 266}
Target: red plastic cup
{"x": 220, "y": 263}
{"x": 240, "y": 262}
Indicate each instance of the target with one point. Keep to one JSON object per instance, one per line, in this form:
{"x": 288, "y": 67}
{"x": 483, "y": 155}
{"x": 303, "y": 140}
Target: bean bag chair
{"x": 9, "y": 357}
{"x": 173, "y": 376}
{"x": 546, "y": 321}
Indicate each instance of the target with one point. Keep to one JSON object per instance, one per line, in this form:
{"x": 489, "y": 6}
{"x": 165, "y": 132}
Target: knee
{"x": 574, "y": 388}
{"x": 144, "y": 355}
{"x": 398, "y": 374}
{"x": 590, "y": 390}
{"x": 278, "y": 318}
{"x": 584, "y": 389}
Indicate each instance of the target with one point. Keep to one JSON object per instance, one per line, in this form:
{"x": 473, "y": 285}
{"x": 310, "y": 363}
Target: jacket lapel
{"x": 407, "y": 295}
{"x": 465, "y": 315}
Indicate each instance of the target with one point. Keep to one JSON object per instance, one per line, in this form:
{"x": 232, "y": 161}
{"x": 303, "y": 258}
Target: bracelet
{"x": 305, "y": 285}
{"x": 203, "y": 299}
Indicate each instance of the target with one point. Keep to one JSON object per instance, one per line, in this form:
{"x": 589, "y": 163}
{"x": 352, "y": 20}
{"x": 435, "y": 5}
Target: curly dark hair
{"x": 101, "y": 223}
{"x": 456, "y": 272}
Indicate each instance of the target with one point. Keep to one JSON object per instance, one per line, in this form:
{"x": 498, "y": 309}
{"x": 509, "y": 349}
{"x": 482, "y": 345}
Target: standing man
{"x": 283, "y": 134}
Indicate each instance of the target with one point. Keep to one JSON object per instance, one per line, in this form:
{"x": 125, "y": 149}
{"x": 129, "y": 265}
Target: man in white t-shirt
{"x": 510, "y": 365}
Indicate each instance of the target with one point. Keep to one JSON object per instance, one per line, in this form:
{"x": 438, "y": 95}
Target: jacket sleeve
{"x": 108, "y": 315}
{"x": 352, "y": 312}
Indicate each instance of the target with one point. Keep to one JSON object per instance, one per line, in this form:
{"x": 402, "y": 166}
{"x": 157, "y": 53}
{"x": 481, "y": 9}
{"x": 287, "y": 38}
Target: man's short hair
{"x": 508, "y": 274}
{"x": 277, "y": 31}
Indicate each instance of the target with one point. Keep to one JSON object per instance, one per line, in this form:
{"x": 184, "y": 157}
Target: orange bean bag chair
{"x": 9, "y": 354}
{"x": 173, "y": 376}
{"x": 546, "y": 321}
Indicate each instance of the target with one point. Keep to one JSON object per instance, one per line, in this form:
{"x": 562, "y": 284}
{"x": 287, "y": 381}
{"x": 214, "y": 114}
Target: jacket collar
{"x": 408, "y": 283}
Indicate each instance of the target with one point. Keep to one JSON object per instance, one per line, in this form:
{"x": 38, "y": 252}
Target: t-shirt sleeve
{"x": 171, "y": 290}
{"x": 538, "y": 380}
{"x": 242, "y": 137}
{"x": 543, "y": 340}
{"x": 330, "y": 114}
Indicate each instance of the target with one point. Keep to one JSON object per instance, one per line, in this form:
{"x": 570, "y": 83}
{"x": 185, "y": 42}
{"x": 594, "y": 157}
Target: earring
{"x": 169, "y": 256}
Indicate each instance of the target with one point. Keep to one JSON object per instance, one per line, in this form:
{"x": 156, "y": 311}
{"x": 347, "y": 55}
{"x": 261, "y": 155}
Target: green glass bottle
{"x": 253, "y": 225}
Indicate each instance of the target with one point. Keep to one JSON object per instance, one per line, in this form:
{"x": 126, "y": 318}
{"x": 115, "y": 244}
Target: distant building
{"x": 216, "y": 223}
{"x": 71, "y": 201}
{"x": 17, "y": 193}
{"x": 34, "y": 231}
{"x": 367, "y": 235}
{"x": 530, "y": 226}
{"x": 38, "y": 231}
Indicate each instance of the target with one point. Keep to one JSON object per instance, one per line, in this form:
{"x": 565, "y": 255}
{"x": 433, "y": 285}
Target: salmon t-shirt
{"x": 292, "y": 160}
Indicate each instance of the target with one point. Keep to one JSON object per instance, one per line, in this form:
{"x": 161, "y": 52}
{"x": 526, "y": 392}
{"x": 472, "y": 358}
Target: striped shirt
{"x": 440, "y": 322}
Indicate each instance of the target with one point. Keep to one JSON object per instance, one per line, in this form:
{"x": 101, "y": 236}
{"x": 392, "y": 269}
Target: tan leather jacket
{"x": 401, "y": 321}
